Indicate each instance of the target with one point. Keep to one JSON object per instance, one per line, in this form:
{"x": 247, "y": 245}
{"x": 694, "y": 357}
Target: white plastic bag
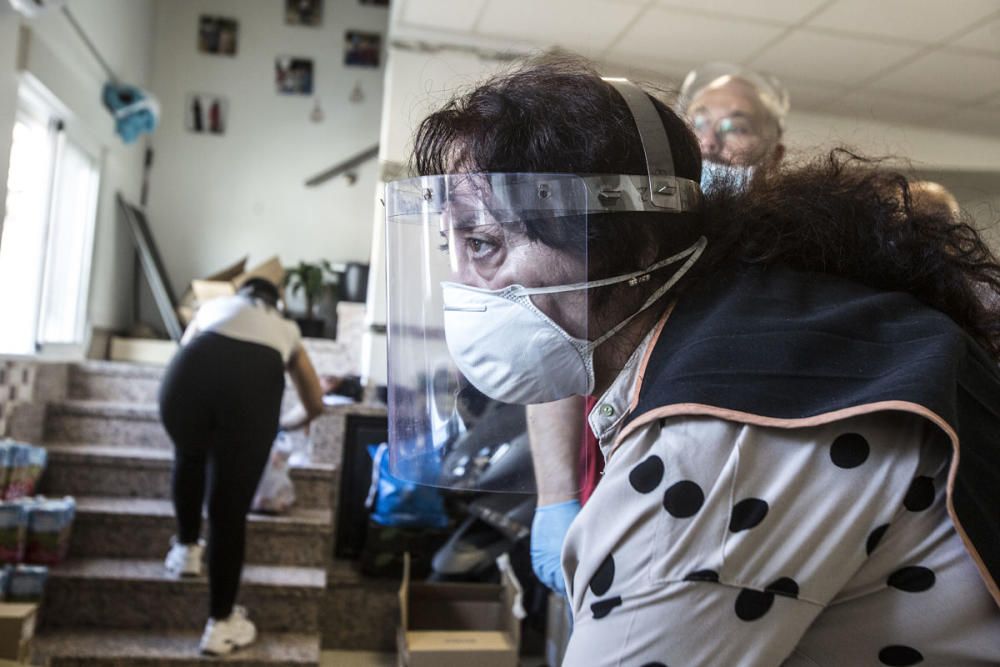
{"x": 275, "y": 492}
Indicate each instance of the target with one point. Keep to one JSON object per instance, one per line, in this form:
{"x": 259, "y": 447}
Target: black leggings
{"x": 220, "y": 402}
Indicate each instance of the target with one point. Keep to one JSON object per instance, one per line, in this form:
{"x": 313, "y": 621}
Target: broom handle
{"x": 89, "y": 44}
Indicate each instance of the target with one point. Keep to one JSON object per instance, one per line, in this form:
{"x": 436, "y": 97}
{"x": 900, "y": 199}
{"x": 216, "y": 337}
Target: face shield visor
{"x": 488, "y": 311}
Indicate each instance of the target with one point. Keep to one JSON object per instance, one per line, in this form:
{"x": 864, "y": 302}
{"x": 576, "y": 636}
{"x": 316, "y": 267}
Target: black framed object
{"x": 152, "y": 266}
{"x": 355, "y": 479}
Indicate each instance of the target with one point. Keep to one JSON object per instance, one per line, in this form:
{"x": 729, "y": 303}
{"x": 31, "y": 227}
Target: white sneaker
{"x": 184, "y": 560}
{"x": 224, "y": 636}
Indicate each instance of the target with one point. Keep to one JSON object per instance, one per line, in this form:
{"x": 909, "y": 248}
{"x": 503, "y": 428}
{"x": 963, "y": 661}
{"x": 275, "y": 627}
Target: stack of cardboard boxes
{"x": 457, "y": 625}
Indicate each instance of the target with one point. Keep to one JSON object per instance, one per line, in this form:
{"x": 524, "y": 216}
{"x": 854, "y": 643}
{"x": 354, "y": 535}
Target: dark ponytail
{"x": 263, "y": 290}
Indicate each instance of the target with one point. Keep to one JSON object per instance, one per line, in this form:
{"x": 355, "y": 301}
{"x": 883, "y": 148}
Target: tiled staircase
{"x": 112, "y": 603}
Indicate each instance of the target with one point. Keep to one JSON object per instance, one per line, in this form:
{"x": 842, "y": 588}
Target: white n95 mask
{"x": 513, "y": 352}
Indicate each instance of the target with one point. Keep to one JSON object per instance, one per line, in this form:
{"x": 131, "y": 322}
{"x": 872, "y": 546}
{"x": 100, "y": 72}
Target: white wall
{"x": 54, "y": 54}
{"x": 926, "y": 147}
{"x": 416, "y": 83}
{"x": 214, "y": 199}
{"x": 9, "y": 25}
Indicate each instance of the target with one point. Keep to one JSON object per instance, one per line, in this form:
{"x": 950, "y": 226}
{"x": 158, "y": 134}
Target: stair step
{"x": 359, "y": 613}
{"x": 106, "y": 422}
{"x": 134, "y": 383}
{"x": 141, "y": 528}
{"x": 167, "y": 649}
{"x": 139, "y": 594}
{"x": 82, "y": 469}
{"x": 115, "y": 381}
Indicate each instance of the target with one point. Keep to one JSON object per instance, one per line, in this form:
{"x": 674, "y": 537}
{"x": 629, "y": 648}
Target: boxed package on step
{"x": 456, "y": 625}
{"x": 21, "y": 466}
{"x": 17, "y": 629}
{"x": 27, "y": 583}
{"x": 13, "y": 531}
{"x": 49, "y": 524}
{"x": 36, "y": 530}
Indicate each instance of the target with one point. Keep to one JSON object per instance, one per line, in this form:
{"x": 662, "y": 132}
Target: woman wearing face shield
{"x": 738, "y": 118}
{"x": 797, "y": 381}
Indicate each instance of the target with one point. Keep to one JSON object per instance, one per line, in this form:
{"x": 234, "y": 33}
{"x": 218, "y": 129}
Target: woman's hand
{"x": 309, "y": 389}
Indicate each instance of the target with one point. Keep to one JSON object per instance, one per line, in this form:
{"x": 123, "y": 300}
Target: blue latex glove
{"x": 548, "y": 532}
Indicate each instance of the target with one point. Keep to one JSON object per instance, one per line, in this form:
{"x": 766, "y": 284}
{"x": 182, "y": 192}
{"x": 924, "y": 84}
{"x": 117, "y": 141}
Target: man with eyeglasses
{"x": 738, "y": 115}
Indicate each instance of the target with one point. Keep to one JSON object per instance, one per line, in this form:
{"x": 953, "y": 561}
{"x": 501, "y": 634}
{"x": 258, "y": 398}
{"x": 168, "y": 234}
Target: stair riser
{"x": 360, "y": 617}
{"x": 107, "y": 431}
{"x": 95, "y": 387}
{"x": 147, "y": 538}
{"x": 116, "y": 648}
{"x": 176, "y": 662}
{"x": 167, "y": 605}
{"x": 120, "y": 480}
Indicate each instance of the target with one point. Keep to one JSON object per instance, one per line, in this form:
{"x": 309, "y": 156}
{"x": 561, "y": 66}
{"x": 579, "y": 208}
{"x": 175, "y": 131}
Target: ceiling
{"x": 926, "y": 62}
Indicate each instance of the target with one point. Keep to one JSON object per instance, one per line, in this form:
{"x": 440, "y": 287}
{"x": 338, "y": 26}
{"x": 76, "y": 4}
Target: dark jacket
{"x": 783, "y": 348}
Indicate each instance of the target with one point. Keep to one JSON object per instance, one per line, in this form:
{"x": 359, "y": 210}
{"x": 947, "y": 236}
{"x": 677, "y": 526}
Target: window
{"x": 46, "y": 242}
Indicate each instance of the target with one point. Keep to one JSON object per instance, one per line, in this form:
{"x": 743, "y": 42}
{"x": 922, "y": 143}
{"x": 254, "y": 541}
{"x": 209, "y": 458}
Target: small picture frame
{"x": 362, "y": 49}
{"x": 205, "y": 113}
{"x": 218, "y": 35}
{"x": 304, "y": 12}
{"x": 293, "y": 75}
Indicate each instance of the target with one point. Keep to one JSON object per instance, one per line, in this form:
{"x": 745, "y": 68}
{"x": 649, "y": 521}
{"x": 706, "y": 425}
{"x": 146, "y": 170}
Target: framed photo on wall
{"x": 304, "y": 12}
{"x": 362, "y": 49}
{"x": 206, "y": 113}
{"x": 293, "y": 76}
{"x": 218, "y": 35}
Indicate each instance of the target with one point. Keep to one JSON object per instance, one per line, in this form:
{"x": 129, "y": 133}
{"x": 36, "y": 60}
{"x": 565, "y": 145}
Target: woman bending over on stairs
{"x": 220, "y": 402}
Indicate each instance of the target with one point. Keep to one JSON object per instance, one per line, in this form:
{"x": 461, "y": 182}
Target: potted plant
{"x": 311, "y": 280}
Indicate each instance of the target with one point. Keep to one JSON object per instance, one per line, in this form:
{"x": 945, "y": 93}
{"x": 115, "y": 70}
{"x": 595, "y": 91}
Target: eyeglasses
{"x": 738, "y": 130}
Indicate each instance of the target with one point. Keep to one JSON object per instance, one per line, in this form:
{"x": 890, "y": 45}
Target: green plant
{"x": 311, "y": 280}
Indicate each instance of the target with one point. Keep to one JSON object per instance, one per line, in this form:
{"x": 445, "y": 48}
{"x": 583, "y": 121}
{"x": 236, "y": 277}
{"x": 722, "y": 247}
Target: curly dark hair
{"x": 849, "y": 215}
{"x": 839, "y": 213}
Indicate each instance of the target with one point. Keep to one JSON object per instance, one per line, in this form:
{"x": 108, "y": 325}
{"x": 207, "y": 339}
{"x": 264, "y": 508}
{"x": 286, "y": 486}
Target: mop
{"x": 136, "y": 111}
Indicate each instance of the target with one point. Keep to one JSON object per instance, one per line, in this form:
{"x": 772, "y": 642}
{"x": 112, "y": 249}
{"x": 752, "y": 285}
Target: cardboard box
{"x": 189, "y": 303}
{"x": 456, "y": 625}
{"x": 17, "y": 627}
{"x": 227, "y": 282}
{"x": 152, "y": 351}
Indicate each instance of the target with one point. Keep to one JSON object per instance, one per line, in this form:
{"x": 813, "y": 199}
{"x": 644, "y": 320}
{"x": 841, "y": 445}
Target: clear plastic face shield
{"x": 488, "y": 308}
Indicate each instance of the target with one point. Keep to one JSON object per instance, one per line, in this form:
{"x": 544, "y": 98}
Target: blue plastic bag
{"x": 396, "y": 502}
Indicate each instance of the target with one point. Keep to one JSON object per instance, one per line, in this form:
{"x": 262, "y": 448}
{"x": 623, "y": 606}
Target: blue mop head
{"x": 136, "y": 111}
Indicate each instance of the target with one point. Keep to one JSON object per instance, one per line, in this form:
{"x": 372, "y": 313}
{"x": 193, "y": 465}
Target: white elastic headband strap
{"x": 695, "y": 250}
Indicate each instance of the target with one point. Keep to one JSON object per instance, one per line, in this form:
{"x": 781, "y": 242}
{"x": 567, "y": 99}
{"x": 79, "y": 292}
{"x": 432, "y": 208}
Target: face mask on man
{"x": 716, "y": 174}
{"x": 513, "y": 352}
